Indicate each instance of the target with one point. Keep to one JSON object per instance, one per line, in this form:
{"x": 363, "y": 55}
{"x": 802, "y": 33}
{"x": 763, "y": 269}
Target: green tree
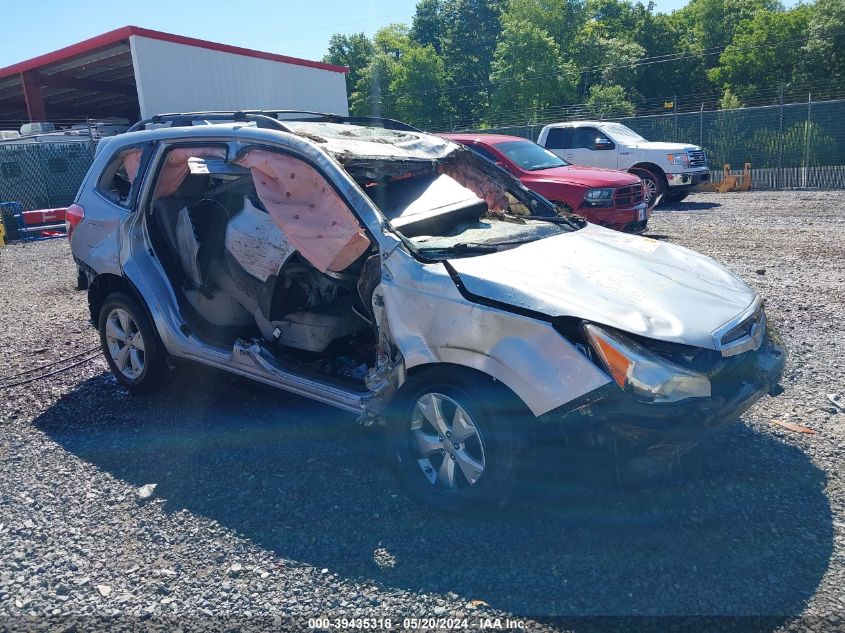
{"x": 428, "y": 27}
{"x": 680, "y": 69}
{"x": 765, "y": 51}
{"x": 392, "y": 40}
{"x": 825, "y": 47}
{"x": 472, "y": 29}
{"x": 418, "y": 85}
{"x": 607, "y": 60}
{"x": 559, "y": 18}
{"x": 353, "y": 51}
{"x": 372, "y": 90}
{"x": 729, "y": 101}
{"x": 403, "y": 80}
{"x": 528, "y": 72}
{"x": 605, "y": 101}
{"x": 711, "y": 24}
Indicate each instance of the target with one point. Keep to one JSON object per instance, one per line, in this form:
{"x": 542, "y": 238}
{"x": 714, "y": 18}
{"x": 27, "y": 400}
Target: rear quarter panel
{"x": 96, "y": 240}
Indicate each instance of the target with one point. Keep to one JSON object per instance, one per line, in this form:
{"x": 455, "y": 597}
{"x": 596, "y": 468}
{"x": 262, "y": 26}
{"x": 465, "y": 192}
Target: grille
{"x": 697, "y": 158}
{"x": 628, "y": 196}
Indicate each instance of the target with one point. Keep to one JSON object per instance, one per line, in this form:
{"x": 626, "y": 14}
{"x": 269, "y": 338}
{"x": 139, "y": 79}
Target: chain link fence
{"x": 795, "y": 145}
{"x": 43, "y": 175}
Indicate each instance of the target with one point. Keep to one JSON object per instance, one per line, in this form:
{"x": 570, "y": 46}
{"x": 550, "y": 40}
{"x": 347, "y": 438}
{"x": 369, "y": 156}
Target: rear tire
{"x": 459, "y": 440}
{"x": 132, "y": 349}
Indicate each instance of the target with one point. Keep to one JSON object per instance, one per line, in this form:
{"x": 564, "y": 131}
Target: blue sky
{"x": 292, "y": 27}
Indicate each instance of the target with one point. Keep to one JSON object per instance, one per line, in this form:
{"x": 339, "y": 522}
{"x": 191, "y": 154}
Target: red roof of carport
{"x": 125, "y": 32}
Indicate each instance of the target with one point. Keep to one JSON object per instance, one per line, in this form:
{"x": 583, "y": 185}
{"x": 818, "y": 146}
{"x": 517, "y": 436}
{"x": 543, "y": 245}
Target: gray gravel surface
{"x": 268, "y": 505}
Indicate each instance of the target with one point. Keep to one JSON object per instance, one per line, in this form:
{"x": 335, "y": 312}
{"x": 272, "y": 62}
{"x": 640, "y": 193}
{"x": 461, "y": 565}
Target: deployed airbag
{"x": 175, "y": 168}
{"x": 314, "y": 218}
{"x": 186, "y": 241}
{"x": 255, "y": 241}
{"x": 131, "y": 163}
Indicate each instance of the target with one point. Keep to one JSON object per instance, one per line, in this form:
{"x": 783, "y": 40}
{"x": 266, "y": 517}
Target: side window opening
{"x": 483, "y": 152}
{"x": 584, "y": 137}
{"x": 559, "y": 138}
{"x": 115, "y": 182}
{"x": 263, "y": 247}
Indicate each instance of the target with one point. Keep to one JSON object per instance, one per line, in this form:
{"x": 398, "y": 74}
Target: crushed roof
{"x": 356, "y": 141}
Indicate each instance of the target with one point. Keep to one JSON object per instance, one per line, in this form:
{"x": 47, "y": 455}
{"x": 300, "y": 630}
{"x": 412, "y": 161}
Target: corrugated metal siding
{"x": 177, "y": 78}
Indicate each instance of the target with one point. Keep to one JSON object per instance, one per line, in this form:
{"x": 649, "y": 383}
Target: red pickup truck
{"x": 602, "y": 196}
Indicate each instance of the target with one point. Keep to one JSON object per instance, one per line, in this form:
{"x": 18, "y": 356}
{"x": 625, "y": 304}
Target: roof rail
{"x": 270, "y": 119}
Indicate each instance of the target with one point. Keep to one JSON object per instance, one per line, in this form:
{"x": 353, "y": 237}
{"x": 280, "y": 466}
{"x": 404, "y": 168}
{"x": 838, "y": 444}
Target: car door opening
{"x": 252, "y": 256}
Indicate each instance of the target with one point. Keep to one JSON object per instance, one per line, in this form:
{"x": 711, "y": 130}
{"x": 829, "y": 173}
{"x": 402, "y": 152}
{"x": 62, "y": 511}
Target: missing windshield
{"x": 459, "y": 206}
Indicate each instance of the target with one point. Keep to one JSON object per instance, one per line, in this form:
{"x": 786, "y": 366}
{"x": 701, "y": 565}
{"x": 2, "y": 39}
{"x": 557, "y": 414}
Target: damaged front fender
{"x": 431, "y": 323}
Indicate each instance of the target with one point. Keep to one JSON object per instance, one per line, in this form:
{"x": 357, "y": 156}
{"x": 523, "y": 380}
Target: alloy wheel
{"x": 446, "y": 442}
{"x": 125, "y": 343}
{"x": 649, "y": 189}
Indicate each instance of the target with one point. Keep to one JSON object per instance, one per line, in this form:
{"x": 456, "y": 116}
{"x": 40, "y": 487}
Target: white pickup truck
{"x": 666, "y": 169}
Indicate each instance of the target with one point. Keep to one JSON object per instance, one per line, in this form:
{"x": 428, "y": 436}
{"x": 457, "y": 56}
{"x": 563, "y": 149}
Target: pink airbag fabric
{"x": 313, "y": 217}
{"x": 175, "y": 168}
{"x": 131, "y": 163}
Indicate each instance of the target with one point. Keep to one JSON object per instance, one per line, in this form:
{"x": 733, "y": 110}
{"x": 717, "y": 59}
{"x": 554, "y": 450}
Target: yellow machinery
{"x": 730, "y": 182}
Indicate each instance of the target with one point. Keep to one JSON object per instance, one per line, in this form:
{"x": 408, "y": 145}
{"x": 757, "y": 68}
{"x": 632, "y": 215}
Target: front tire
{"x": 459, "y": 439}
{"x": 132, "y": 350}
{"x": 654, "y": 184}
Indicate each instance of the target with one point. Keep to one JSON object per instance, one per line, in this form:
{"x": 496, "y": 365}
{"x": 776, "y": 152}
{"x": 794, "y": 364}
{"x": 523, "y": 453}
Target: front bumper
{"x": 613, "y": 416}
{"x": 618, "y": 218}
{"x": 688, "y": 179}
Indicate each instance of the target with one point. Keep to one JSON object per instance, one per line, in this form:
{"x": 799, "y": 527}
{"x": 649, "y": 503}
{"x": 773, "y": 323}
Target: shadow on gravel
{"x": 747, "y": 530}
{"x": 687, "y": 206}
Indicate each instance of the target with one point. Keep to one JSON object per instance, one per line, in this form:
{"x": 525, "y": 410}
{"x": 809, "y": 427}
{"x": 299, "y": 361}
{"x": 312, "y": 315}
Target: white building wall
{"x": 174, "y": 77}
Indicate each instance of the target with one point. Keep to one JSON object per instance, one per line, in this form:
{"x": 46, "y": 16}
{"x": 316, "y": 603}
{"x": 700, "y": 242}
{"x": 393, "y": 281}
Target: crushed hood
{"x": 636, "y": 284}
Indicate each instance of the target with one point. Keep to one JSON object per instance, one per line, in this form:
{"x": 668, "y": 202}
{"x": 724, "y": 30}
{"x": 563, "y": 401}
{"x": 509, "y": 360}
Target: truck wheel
{"x": 459, "y": 440}
{"x": 654, "y": 184}
{"x": 133, "y": 352}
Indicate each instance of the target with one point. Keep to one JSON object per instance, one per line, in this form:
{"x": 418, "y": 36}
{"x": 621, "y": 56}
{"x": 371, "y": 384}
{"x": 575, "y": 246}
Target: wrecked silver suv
{"x": 396, "y": 275}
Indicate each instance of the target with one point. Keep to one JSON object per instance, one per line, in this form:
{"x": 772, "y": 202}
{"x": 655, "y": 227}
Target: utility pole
{"x": 779, "y": 173}
{"x": 675, "y": 110}
{"x": 806, "y": 170}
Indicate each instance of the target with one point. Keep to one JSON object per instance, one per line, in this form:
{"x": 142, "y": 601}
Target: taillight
{"x": 73, "y": 216}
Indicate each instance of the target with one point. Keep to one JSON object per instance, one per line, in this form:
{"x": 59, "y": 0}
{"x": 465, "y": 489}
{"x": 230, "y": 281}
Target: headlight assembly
{"x": 642, "y": 373}
{"x": 678, "y": 159}
{"x": 599, "y": 198}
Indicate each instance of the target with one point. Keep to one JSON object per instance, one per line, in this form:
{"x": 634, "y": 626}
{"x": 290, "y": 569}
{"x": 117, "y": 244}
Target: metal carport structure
{"x": 133, "y": 72}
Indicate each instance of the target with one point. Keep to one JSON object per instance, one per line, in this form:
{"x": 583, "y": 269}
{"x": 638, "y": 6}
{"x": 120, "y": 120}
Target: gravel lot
{"x": 268, "y": 505}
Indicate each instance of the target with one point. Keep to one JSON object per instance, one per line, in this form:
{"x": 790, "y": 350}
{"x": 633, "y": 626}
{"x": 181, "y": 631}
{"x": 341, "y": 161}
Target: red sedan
{"x": 602, "y": 196}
